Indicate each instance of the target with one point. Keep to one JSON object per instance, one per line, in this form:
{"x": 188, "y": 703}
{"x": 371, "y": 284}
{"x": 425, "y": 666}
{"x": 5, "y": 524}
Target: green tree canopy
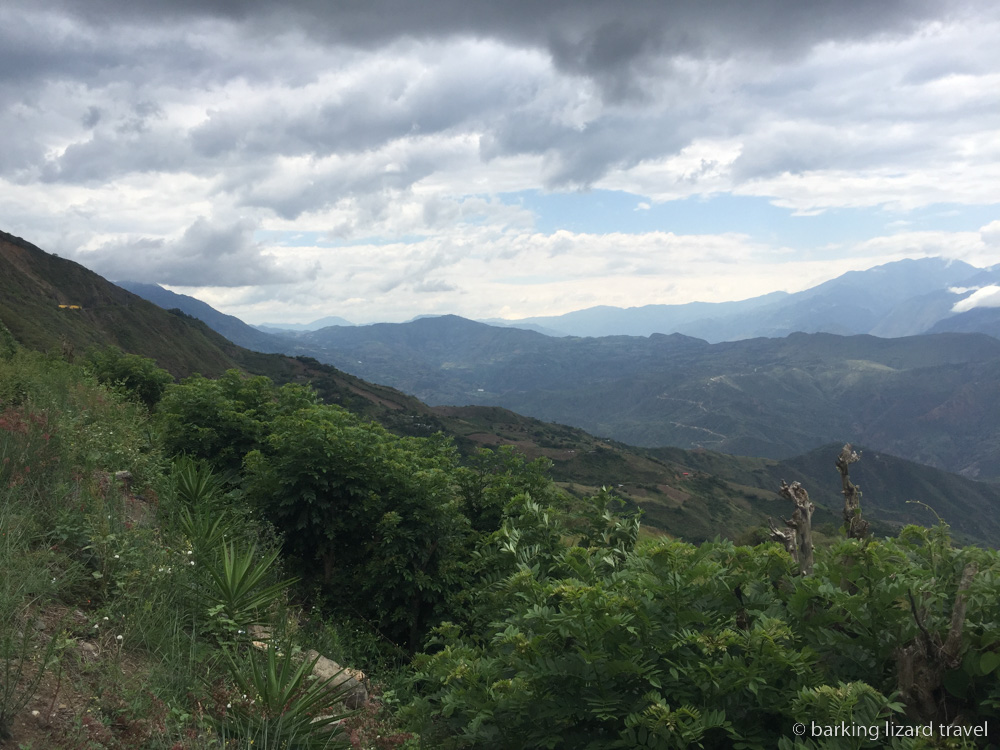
{"x": 222, "y": 420}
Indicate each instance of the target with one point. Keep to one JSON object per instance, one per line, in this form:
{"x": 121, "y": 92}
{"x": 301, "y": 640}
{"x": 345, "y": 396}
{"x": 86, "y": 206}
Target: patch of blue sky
{"x": 606, "y": 211}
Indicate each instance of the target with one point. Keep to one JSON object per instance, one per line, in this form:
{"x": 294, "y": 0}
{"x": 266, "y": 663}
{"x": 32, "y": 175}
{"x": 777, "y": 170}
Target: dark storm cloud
{"x": 653, "y": 104}
{"x": 405, "y": 127}
{"x": 36, "y": 45}
{"x": 594, "y": 37}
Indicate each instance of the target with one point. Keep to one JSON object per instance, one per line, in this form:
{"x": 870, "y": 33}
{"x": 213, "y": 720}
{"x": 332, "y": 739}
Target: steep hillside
{"x": 50, "y": 303}
{"x": 53, "y": 304}
{"x": 229, "y": 326}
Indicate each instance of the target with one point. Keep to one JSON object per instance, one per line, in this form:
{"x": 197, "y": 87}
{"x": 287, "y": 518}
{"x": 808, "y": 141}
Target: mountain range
{"x": 927, "y": 398}
{"x": 58, "y": 306}
{"x": 904, "y": 298}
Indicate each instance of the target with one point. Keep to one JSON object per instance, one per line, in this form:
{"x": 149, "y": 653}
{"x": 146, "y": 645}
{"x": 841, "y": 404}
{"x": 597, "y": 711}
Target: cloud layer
{"x": 366, "y": 159}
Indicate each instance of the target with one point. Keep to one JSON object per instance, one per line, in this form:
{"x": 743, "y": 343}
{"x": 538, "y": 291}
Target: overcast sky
{"x": 382, "y": 159}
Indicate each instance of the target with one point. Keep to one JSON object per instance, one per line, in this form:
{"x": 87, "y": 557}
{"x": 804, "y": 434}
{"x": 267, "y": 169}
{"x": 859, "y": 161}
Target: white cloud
{"x": 987, "y": 296}
{"x": 393, "y": 132}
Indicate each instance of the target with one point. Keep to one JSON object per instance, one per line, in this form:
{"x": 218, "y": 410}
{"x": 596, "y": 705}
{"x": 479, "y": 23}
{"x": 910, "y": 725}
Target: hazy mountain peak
{"x": 884, "y": 300}
{"x": 329, "y": 320}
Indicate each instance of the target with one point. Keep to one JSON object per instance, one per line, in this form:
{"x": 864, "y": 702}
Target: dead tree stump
{"x": 855, "y": 526}
{"x": 922, "y": 664}
{"x": 799, "y": 541}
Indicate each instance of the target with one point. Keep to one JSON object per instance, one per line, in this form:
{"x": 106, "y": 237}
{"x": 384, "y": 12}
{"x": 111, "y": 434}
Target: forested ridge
{"x": 174, "y": 551}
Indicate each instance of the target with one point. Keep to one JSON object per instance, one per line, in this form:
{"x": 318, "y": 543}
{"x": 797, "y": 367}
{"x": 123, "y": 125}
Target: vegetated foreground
{"x": 174, "y": 605}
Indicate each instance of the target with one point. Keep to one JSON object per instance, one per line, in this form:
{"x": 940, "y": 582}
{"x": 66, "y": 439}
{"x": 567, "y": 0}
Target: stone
{"x": 259, "y": 633}
{"x": 351, "y": 680}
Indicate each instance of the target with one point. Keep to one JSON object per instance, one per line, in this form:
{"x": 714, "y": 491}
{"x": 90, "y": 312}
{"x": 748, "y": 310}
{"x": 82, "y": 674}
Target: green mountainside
{"x": 229, "y": 326}
{"x": 696, "y": 495}
{"x": 146, "y": 601}
{"x": 53, "y": 304}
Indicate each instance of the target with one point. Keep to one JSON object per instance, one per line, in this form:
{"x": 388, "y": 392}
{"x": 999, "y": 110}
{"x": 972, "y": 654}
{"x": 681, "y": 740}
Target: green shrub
{"x": 377, "y": 514}
{"x": 139, "y": 376}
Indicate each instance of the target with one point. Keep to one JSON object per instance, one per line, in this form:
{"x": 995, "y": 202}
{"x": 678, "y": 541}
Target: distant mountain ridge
{"x": 282, "y": 328}
{"x": 978, "y": 320}
{"x": 904, "y": 298}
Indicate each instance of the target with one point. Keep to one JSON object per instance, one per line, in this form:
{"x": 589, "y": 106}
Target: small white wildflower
{"x": 118, "y": 637}
{"x": 191, "y": 563}
{"x": 97, "y": 625}
{"x": 229, "y": 705}
{"x": 105, "y": 618}
{"x": 190, "y": 552}
{"x": 53, "y": 580}
{"x": 117, "y": 557}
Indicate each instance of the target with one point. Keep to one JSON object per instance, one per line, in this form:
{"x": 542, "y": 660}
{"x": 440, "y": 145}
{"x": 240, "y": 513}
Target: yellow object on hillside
{"x": 70, "y": 307}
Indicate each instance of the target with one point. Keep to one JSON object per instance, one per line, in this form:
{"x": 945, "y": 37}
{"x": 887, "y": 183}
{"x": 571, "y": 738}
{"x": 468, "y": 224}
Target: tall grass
{"x": 166, "y": 569}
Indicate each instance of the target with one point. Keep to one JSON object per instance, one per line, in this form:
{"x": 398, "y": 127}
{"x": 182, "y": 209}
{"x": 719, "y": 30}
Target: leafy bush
{"x": 220, "y": 421}
{"x": 377, "y": 513}
{"x": 139, "y": 376}
{"x": 664, "y": 644}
